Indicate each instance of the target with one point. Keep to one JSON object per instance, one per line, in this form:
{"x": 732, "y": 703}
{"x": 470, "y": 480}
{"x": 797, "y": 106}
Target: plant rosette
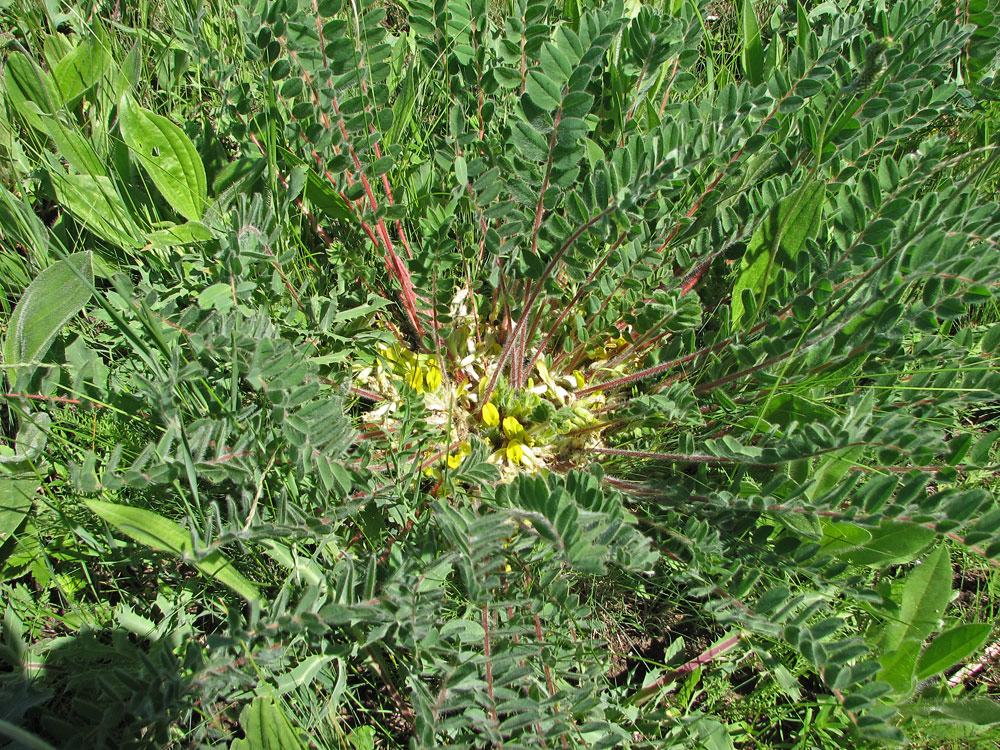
{"x": 529, "y": 429}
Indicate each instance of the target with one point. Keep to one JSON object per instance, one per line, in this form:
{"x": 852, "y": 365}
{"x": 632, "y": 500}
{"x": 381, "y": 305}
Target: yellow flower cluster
{"x": 420, "y": 371}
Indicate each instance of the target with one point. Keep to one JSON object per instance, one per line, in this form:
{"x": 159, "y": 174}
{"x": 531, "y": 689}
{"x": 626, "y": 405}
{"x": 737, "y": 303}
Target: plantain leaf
{"x": 891, "y": 542}
{"x": 16, "y": 497}
{"x": 899, "y": 665}
{"x": 81, "y": 68}
{"x": 31, "y": 439}
{"x": 30, "y": 90}
{"x": 326, "y": 199}
{"x": 789, "y": 224}
{"x": 752, "y": 52}
{"x": 302, "y": 675}
{"x": 55, "y": 296}
{"x": 188, "y": 233}
{"x": 926, "y": 593}
{"x": 266, "y": 727}
{"x": 159, "y": 533}
{"x": 74, "y": 147}
{"x": 168, "y": 156}
{"x": 97, "y": 205}
{"x": 951, "y": 647}
{"x": 976, "y": 711}
{"x": 832, "y": 468}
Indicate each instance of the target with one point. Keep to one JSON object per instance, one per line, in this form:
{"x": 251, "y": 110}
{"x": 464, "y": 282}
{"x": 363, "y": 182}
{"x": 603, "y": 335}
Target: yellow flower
{"x": 455, "y": 459}
{"x": 415, "y": 379}
{"x": 580, "y": 382}
{"x": 514, "y": 451}
{"x": 491, "y": 417}
{"x": 513, "y": 429}
{"x": 433, "y": 378}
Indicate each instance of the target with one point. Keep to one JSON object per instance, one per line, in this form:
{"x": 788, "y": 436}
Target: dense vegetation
{"x": 536, "y": 374}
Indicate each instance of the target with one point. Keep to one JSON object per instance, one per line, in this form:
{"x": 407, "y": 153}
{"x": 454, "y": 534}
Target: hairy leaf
{"x": 159, "y": 533}
{"x": 56, "y": 295}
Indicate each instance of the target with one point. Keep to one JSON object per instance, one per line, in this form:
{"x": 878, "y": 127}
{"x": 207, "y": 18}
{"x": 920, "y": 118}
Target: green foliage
{"x": 149, "y": 528}
{"x": 47, "y": 304}
{"x": 460, "y": 348}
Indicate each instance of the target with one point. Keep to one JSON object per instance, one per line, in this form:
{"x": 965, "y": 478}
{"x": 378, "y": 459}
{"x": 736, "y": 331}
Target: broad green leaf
{"x": 81, "y": 68}
{"x": 891, "y": 542}
{"x": 787, "y": 227}
{"x": 55, "y": 296}
{"x": 188, "y": 233}
{"x": 842, "y": 536}
{"x": 303, "y": 567}
{"x": 951, "y": 647}
{"x": 218, "y": 296}
{"x": 30, "y": 90}
{"x": 22, "y": 737}
{"x": 752, "y": 54}
{"x": 31, "y": 438}
{"x": 97, "y": 205}
{"x": 16, "y": 497}
{"x": 802, "y": 26}
{"x": 806, "y": 524}
{"x": 22, "y": 225}
{"x": 159, "y": 533}
{"x": 137, "y": 624}
{"x": 168, "y": 156}
{"x": 926, "y": 593}
{"x": 713, "y": 735}
{"x": 302, "y": 675}
{"x": 799, "y": 217}
{"x": 977, "y": 711}
{"x": 404, "y": 106}
{"x": 74, "y": 147}
{"x": 786, "y": 408}
{"x": 899, "y": 665}
{"x": 832, "y": 468}
{"x": 322, "y": 195}
{"x": 266, "y": 727}
{"x": 362, "y": 738}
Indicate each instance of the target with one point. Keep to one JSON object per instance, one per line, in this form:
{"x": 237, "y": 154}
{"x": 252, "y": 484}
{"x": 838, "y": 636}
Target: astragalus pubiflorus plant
{"x": 439, "y": 344}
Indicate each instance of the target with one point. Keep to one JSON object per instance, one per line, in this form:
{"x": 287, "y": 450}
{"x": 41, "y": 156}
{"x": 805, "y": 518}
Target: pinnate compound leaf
{"x": 266, "y": 727}
{"x": 529, "y": 141}
{"x": 56, "y": 295}
{"x": 159, "y": 533}
{"x": 168, "y": 156}
{"x": 951, "y": 647}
